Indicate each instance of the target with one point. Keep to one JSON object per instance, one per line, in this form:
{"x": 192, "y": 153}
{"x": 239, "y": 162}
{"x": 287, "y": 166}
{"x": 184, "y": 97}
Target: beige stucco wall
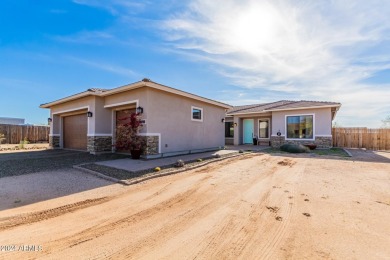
{"x": 170, "y": 115}
{"x": 166, "y": 114}
{"x": 322, "y": 120}
{"x": 137, "y": 97}
{"x": 81, "y": 105}
{"x": 103, "y": 118}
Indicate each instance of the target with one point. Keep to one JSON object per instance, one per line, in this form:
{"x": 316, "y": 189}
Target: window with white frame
{"x": 300, "y": 127}
{"x": 196, "y": 114}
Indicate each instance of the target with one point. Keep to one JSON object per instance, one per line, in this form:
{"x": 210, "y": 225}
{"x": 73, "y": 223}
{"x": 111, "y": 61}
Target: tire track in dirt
{"x": 164, "y": 208}
{"x": 23, "y": 219}
{"x": 161, "y": 208}
{"x": 282, "y": 232}
{"x": 249, "y": 232}
{"x": 178, "y": 224}
{"x": 100, "y": 230}
{"x": 234, "y": 225}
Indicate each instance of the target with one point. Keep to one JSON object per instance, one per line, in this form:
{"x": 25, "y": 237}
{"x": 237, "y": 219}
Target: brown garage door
{"x": 75, "y": 132}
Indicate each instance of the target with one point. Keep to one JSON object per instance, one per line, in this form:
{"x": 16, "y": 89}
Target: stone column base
{"x": 152, "y": 145}
{"x": 54, "y": 142}
{"x": 98, "y": 144}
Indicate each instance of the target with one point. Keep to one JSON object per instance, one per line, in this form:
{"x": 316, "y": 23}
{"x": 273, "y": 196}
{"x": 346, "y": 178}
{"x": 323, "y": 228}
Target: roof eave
{"x": 124, "y": 88}
{"x": 136, "y": 85}
{"x": 243, "y": 113}
{"x": 298, "y": 108}
{"x": 70, "y": 98}
{"x": 158, "y": 86}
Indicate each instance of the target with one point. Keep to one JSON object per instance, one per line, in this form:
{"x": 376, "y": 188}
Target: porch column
{"x": 237, "y": 130}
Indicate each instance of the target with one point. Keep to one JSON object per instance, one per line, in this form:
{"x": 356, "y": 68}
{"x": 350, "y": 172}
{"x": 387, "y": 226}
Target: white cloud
{"x": 86, "y": 37}
{"x": 116, "y": 7}
{"x": 321, "y": 50}
{"x": 104, "y": 66}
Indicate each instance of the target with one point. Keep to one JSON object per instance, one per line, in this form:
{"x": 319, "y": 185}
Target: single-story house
{"x": 305, "y": 122}
{"x": 178, "y": 122}
{"x": 174, "y": 121}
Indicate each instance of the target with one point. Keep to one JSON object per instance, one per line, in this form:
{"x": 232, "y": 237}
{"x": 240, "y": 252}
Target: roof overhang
{"x": 247, "y": 113}
{"x": 336, "y": 108}
{"x": 66, "y": 99}
{"x": 299, "y": 108}
{"x": 136, "y": 85}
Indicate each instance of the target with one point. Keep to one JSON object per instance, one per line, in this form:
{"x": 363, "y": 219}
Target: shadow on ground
{"x": 34, "y": 176}
{"x": 17, "y": 191}
{"x": 19, "y": 163}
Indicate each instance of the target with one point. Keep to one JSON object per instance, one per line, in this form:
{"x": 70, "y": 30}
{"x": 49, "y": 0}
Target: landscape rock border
{"x": 167, "y": 170}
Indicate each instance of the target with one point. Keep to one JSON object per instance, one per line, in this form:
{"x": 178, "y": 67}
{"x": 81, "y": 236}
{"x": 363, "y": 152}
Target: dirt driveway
{"x": 251, "y": 207}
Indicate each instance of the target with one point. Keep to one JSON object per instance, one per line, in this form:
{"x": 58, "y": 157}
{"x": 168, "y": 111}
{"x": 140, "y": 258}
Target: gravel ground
{"x": 13, "y": 164}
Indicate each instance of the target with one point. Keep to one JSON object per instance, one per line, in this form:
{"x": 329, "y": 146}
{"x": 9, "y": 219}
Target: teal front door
{"x": 248, "y": 131}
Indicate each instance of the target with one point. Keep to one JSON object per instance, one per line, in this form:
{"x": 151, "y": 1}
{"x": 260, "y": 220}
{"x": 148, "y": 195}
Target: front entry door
{"x": 248, "y": 131}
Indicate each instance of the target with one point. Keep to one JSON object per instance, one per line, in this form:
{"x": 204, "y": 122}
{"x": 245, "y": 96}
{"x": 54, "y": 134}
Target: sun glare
{"x": 254, "y": 29}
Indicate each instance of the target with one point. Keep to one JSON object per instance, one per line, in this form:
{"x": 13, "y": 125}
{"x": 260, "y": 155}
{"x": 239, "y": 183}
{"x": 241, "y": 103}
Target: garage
{"x": 75, "y": 131}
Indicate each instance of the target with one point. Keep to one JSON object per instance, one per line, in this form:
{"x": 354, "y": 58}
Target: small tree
{"x": 386, "y": 122}
{"x": 127, "y": 133}
{"x": 336, "y": 124}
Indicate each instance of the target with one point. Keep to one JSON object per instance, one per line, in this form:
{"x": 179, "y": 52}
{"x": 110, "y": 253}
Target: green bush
{"x": 294, "y": 148}
{"x": 157, "y": 169}
{"x": 22, "y": 143}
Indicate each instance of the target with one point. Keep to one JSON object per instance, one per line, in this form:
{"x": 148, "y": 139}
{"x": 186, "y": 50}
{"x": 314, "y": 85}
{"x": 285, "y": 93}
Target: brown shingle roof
{"x": 280, "y": 105}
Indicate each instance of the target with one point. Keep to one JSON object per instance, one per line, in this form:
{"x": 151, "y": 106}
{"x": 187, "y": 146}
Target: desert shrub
{"x": 1, "y": 138}
{"x": 241, "y": 151}
{"x": 294, "y": 148}
{"x": 200, "y": 160}
{"x": 217, "y": 156}
{"x": 22, "y": 143}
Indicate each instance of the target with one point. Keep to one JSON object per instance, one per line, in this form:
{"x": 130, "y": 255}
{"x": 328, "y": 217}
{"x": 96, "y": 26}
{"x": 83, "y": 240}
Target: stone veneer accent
{"x": 97, "y": 144}
{"x": 54, "y": 141}
{"x": 151, "y": 145}
{"x": 229, "y": 141}
{"x": 320, "y": 141}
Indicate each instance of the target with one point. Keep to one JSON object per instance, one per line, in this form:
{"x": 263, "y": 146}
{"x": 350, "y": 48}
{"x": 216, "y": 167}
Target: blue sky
{"x": 238, "y": 52}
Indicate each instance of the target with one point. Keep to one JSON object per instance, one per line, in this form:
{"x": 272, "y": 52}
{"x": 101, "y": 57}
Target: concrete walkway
{"x": 139, "y": 165}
